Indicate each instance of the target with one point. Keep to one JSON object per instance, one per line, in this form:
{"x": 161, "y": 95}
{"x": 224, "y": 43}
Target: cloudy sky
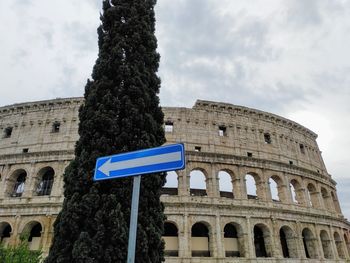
{"x": 288, "y": 57}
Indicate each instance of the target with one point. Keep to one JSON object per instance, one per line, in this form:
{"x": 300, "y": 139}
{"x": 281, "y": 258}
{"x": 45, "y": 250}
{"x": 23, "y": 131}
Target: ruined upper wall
{"x": 209, "y": 127}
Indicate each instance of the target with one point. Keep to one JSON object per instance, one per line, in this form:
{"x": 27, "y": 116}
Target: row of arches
{"x": 32, "y": 232}
{"x": 276, "y": 189}
{"x": 16, "y": 183}
{"x": 234, "y": 242}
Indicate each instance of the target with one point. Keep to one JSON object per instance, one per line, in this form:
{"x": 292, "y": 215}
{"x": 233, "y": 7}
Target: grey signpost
{"x": 152, "y": 160}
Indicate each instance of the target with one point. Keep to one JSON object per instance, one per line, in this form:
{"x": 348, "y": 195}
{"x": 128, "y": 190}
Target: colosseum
{"x": 255, "y": 187}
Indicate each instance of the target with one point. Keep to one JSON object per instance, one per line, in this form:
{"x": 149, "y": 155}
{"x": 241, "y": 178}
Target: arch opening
{"x": 17, "y": 182}
{"x": 274, "y": 189}
{"x": 296, "y": 192}
{"x": 200, "y": 240}
{"x": 339, "y": 245}
{"x": 309, "y": 242}
{"x": 198, "y": 186}
{"x": 171, "y": 185}
{"x": 45, "y": 178}
{"x": 262, "y": 241}
{"x": 250, "y": 183}
{"x": 313, "y": 195}
{"x": 225, "y": 185}
{"x": 335, "y": 203}
{"x": 325, "y": 198}
{"x": 326, "y": 245}
{"x": 232, "y": 242}
{"x": 171, "y": 240}
{"x": 33, "y": 230}
{"x": 5, "y": 231}
{"x": 288, "y": 243}
{"x": 347, "y": 243}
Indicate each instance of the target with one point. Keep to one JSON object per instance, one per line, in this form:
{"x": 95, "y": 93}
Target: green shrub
{"x": 19, "y": 254}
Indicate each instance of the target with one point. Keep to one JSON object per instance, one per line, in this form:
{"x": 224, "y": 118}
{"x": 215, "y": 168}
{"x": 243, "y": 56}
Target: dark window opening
{"x": 259, "y": 242}
{"x": 222, "y": 131}
{"x": 200, "y": 230}
{"x": 230, "y": 231}
{"x": 197, "y": 148}
{"x": 291, "y": 162}
{"x": 169, "y": 126}
{"x": 56, "y": 127}
{"x": 170, "y": 233}
{"x": 284, "y": 244}
{"x": 267, "y": 138}
{"x": 170, "y": 230}
{"x": 302, "y": 148}
{"x": 8, "y": 132}
{"x": 18, "y": 188}
{"x": 305, "y": 247}
{"x": 35, "y": 232}
{"x": 249, "y": 154}
{"x": 45, "y": 185}
{"x": 6, "y": 232}
{"x": 25, "y": 150}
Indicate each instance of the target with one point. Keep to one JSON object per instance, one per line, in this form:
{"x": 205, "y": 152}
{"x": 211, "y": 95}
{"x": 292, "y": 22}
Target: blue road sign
{"x": 159, "y": 159}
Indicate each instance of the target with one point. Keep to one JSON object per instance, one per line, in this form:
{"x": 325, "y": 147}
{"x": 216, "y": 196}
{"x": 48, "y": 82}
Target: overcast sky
{"x": 287, "y": 57}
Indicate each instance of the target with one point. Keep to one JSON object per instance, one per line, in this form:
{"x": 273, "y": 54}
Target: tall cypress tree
{"x": 121, "y": 113}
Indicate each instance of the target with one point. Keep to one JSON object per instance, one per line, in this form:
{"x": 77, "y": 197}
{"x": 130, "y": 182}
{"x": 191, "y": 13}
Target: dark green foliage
{"x": 20, "y": 253}
{"x": 121, "y": 113}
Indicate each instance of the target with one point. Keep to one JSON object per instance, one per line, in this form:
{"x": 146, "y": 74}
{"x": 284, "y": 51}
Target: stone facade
{"x": 255, "y": 188}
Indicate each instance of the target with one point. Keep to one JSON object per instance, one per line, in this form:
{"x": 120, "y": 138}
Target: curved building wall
{"x": 300, "y": 220}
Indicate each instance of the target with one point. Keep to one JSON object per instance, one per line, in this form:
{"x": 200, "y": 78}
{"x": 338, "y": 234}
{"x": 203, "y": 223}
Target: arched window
{"x": 288, "y": 243}
{"x": 339, "y": 245}
{"x": 295, "y": 188}
{"x": 231, "y": 241}
{"x": 16, "y": 183}
{"x": 171, "y": 240}
{"x": 198, "y": 184}
{"x": 250, "y": 184}
{"x": 326, "y": 245}
{"x": 313, "y": 195}
{"x": 5, "y": 231}
{"x": 33, "y": 230}
{"x": 274, "y": 190}
{"x": 309, "y": 242}
{"x": 335, "y": 203}
{"x": 325, "y": 198}
{"x": 171, "y": 185}
{"x": 200, "y": 240}
{"x": 347, "y": 243}
{"x": 45, "y": 181}
{"x": 262, "y": 241}
{"x": 225, "y": 185}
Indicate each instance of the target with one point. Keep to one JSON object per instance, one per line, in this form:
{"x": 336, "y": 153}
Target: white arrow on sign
{"x": 108, "y": 166}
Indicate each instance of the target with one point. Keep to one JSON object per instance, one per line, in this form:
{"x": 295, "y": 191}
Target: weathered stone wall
{"x": 38, "y": 137}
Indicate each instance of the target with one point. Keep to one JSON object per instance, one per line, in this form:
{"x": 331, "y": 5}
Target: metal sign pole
{"x": 133, "y": 219}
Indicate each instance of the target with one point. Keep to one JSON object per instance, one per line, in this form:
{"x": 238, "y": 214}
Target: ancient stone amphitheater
{"x": 255, "y": 188}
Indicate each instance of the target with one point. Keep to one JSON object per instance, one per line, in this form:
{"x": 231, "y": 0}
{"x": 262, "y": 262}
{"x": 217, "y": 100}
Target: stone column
{"x": 4, "y": 181}
{"x": 250, "y": 241}
{"x": 29, "y": 185}
{"x": 299, "y": 241}
{"x": 332, "y": 243}
{"x": 318, "y": 242}
{"x": 220, "y": 245}
{"x": 47, "y": 235}
{"x": 275, "y": 236}
{"x": 241, "y": 175}
{"x": 182, "y": 183}
{"x": 213, "y": 183}
{"x": 185, "y": 238}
